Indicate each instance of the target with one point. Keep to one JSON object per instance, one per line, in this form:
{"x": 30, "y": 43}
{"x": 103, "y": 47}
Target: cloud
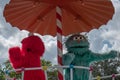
{"x": 107, "y": 37}
{"x": 101, "y": 40}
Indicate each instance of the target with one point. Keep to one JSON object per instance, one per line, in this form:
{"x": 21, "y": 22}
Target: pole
{"x": 59, "y": 41}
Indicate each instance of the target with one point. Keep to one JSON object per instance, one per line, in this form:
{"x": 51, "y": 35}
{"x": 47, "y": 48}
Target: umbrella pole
{"x": 59, "y": 41}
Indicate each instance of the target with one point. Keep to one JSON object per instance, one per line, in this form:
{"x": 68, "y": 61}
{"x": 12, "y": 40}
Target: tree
{"x": 52, "y": 73}
{"x": 106, "y": 67}
{"x": 5, "y": 71}
{"x": 1, "y": 73}
{"x": 46, "y": 63}
{"x": 101, "y": 68}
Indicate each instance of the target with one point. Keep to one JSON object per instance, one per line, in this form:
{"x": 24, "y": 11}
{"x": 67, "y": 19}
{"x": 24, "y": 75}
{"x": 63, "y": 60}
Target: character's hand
{"x": 68, "y": 58}
{"x": 113, "y": 53}
{"x": 118, "y": 54}
{"x": 15, "y": 57}
{"x": 14, "y": 53}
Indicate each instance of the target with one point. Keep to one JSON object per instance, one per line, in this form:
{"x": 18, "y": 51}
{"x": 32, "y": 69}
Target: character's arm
{"x": 15, "y": 57}
{"x": 110, "y": 55}
{"x": 67, "y": 58}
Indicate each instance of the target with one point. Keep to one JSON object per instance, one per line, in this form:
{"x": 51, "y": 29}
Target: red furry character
{"x": 28, "y": 57}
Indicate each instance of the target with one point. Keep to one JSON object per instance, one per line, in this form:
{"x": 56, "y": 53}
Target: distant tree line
{"x": 6, "y": 67}
{"x": 101, "y": 68}
{"x": 107, "y": 67}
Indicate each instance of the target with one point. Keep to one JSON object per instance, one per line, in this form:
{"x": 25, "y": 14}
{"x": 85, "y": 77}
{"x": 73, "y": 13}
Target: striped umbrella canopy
{"x": 39, "y": 16}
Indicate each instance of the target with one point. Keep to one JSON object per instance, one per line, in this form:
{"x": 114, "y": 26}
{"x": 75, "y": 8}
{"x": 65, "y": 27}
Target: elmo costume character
{"x": 28, "y": 57}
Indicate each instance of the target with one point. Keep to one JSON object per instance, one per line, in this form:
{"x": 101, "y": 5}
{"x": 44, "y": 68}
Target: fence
{"x": 45, "y": 68}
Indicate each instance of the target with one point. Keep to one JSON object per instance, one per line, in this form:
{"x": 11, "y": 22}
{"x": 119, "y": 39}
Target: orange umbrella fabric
{"x": 39, "y": 16}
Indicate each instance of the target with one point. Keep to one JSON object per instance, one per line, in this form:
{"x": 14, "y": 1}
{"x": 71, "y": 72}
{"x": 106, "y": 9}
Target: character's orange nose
{"x": 78, "y": 40}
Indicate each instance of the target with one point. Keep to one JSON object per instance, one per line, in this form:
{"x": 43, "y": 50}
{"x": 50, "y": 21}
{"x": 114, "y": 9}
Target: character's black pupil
{"x": 76, "y": 37}
{"x": 81, "y": 37}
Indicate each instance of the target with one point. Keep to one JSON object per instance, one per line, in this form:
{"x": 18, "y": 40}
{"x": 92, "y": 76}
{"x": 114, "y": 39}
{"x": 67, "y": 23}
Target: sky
{"x": 104, "y": 39}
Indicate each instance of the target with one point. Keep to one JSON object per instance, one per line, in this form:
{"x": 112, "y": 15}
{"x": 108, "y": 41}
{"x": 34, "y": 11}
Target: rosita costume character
{"x": 79, "y": 55}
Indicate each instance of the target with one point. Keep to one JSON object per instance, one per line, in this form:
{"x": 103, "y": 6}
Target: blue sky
{"x": 106, "y": 38}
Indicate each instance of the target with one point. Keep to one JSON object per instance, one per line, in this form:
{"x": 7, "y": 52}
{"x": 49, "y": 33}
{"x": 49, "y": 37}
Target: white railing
{"x": 45, "y": 68}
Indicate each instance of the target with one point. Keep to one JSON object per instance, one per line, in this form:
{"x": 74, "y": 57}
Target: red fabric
{"x": 28, "y": 56}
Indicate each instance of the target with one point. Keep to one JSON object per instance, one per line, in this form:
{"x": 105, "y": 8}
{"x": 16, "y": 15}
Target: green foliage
{"x": 46, "y": 63}
{"x": 101, "y": 68}
{"x": 5, "y": 71}
{"x": 1, "y": 74}
{"x": 106, "y": 67}
{"x": 52, "y": 73}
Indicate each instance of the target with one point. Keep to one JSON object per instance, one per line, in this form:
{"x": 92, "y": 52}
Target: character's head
{"x": 33, "y": 45}
{"x": 77, "y": 43}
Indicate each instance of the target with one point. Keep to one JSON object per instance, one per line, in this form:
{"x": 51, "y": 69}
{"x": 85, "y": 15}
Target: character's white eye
{"x": 78, "y": 38}
{"x": 75, "y": 38}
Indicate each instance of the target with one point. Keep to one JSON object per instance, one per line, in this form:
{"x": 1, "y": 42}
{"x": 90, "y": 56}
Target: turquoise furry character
{"x": 79, "y": 55}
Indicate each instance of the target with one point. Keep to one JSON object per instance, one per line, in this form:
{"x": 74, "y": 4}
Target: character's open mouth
{"x": 79, "y": 46}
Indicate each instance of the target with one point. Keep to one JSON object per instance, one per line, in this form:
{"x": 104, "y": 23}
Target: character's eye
{"x": 78, "y": 38}
{"x": 75, "y": 38}
{"x": 81, "y": 38}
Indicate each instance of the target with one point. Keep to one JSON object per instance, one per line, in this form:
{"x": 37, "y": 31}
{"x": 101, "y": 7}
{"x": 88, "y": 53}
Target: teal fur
{"x": 79, "y": 55}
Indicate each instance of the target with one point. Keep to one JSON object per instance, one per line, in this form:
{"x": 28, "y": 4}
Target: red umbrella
{"x": 40, "y": 15}
{"x": 73, "y": 16}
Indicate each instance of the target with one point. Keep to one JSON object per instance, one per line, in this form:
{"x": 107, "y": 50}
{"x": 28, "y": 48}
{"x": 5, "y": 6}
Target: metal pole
{"x": 71, "y": 72}
{"x": 90, "y": 70}
{"x": 22, "y": 69}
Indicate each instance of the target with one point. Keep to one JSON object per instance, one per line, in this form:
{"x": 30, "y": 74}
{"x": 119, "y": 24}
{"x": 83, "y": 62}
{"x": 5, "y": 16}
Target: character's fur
{"x": 79, "y": 55}
{"x": 28, "y": 57}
